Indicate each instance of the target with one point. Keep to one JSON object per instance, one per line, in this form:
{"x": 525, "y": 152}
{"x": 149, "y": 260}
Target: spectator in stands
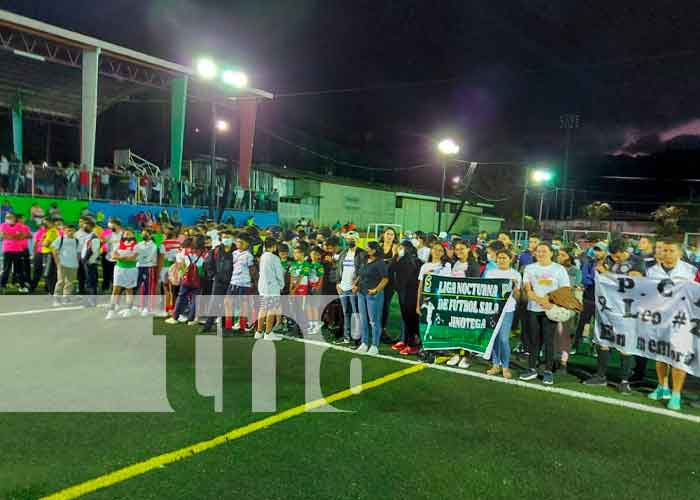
{"x": 4, "y": 171}
{"x": 133, "y": 185}
{"x": 84, "y": 179}
{"x": 528, "y": 256}
{"x": 671, "y": 267}
{"x": 105, "y": 188}
{"x": 71, "y": 181}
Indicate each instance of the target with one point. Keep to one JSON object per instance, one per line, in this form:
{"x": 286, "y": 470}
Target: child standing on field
{"x": 147, "y": 265}
{"x": 316, "y": 276}
{"x": 299, "y": 272}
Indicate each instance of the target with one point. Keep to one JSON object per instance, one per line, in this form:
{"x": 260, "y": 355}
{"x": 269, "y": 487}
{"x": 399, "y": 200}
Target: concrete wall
{"x": 290, "y": 213}
{"x": 362, "y": 206}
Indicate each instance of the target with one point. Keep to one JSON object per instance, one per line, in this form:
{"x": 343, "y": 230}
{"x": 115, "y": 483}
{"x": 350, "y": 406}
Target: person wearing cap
{"x": 671, "y": 267}
{"x": 629, "y": 265}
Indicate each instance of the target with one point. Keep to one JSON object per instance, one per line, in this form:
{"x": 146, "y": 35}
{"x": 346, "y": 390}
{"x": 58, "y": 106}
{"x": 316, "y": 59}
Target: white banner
{"x": 657, "y": 319}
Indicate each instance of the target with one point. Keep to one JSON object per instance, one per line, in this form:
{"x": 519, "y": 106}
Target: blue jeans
{"x": 501, "y": 345}
{"x": 370, "y": 307}
{"x": 186, "y": 295}
{"x": 348, "y": 301}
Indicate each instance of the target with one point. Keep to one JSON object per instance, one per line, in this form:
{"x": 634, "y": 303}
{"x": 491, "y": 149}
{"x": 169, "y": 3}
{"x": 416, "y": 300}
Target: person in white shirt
{"x": 241, "y": 280}
{"x": 147, "y": 256}
{"x": 89, "y": 255}
{"x": 670, "y": 267}
{"x": 541, "y": 278}
{"x": 270, "y": 287}
{"x": 66, "y": 253}
{"x": 349, "y": 261}
{"x": 82, "y": 236}
{"x": 500, "y": 357}
{"x": 437, "y": 265}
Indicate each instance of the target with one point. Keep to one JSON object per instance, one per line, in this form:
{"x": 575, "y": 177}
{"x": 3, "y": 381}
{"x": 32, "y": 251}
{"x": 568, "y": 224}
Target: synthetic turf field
{"x": 431, "y": 434}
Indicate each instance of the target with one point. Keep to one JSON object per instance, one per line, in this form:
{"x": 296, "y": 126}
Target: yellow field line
{"x": 140, "y": 468}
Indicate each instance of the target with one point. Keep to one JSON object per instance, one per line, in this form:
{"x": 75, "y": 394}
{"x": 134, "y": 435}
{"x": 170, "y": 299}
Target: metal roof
{"x": 42, "y": 64}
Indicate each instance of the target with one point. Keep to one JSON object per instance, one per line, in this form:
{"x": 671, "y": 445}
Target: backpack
{"x": 88, "y": 249}
{"x": 191, "y": 279}
{"x": 174, "y": 276}
{"x": 60, "y": 245}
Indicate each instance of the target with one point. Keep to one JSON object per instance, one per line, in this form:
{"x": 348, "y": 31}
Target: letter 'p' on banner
{"x": 248, "y": 111}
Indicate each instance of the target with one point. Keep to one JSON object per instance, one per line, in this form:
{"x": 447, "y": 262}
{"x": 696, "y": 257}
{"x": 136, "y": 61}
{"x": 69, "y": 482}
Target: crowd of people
{"x": 122, "y": 183}
{"x": 193, "y": 265}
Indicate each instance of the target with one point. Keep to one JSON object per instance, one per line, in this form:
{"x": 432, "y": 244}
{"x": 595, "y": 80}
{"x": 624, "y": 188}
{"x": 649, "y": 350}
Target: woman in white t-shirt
{"x": 541, "y": 278}
{"x": 437, "y": 265}
{"x": 500, "y": 358}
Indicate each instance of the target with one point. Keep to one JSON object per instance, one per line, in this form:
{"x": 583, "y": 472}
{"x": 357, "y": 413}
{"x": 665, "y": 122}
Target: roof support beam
{"x": 88, "y": 124}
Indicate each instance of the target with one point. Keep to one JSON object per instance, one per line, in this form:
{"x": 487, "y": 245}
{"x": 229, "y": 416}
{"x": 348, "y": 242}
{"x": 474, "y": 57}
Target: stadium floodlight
{"x": 448, "y": 147}
{"x": 236, "y": 79}
{"x": 206, "y": 68}
{"x": 222, "y": 126}
{"x": 540, "y": 176}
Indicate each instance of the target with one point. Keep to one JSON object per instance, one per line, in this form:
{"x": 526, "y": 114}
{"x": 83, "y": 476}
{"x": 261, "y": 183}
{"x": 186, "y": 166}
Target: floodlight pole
{"x": 524, "y": 207}
{"x": 212, "y": 163}
{"x": 442, "y": 193}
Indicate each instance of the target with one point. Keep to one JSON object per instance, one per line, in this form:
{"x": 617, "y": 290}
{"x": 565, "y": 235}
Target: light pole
{"x": 567, "y": 122}
{"x": 446, "y": 148}
{"x": 207, "y": 69}
{"x": 538, "y": 177}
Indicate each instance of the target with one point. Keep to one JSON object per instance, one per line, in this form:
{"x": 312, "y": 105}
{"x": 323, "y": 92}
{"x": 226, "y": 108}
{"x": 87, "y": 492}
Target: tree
{"x": 597, "y": 211}
{"x": 667, "y": 219}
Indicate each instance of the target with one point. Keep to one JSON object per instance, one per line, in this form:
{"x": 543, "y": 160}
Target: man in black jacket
{"x": 218, "y": 267}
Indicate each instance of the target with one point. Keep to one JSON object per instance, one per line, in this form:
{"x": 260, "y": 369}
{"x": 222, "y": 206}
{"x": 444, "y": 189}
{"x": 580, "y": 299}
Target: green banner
{"x": 462, "y": 313}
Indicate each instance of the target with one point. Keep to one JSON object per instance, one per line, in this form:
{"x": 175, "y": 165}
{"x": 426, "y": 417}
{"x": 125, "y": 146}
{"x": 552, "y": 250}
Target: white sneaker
{"x": 258, "y": 335}
{"x": 162, "y": 314}
{"x": 23, "y": 289}
{"x": 111, "y": 314}
{"x": 192, "y": 323}
{"x": 171, "y": 321}
{"x": 273, "y": 337}
{"x": 373, "y": 350}
{"x": 145, "y": 313}
{"x": 126, "y": 313}
{"x": 236, "y": 326}
{"x": 57, "y": 303}
{"x": 453, "y": 360}
{"x": 182, "y": 319}
{"x": 463, "y": 363}
{"x": 362, "y": 348}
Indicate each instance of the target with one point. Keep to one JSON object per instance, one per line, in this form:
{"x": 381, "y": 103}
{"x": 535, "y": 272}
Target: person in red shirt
{"x": 84, "y": 180}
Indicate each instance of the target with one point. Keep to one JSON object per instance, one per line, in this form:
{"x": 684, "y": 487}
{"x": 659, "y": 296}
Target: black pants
{"x": 13, "y": 263}
{"x": 407, "y": 303}
{"x": 37, "y": 270}
{"x": 90, "y": 273}
{"x": 541, "y": 332}
{"x": 50, "y": 273}
{"x": 584, "y": 318}
{"x": 81, "y": 280}
{"x": 522, "y": 314}
{"x": 388, "y": 295}
{"x": 107, "y": 274}
{"x": 215, "y": 307}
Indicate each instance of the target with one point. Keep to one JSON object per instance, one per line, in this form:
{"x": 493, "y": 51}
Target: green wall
{"x": 362, "y": 206}
{"x": 70, "y": 209}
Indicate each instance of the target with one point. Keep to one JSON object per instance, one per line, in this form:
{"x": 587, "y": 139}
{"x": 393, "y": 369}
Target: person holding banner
{"x": 626, "y": 264}
{"x": 500, "y": 358}
{"x": 539, "y": 279}
{"x": 670, "y": 267}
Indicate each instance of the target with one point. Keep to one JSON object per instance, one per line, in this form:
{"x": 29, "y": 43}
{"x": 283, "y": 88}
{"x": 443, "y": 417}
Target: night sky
{"x": 494, "y": 75}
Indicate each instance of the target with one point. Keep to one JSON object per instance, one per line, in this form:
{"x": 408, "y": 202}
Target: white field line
{"x": 466, "y": 373}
